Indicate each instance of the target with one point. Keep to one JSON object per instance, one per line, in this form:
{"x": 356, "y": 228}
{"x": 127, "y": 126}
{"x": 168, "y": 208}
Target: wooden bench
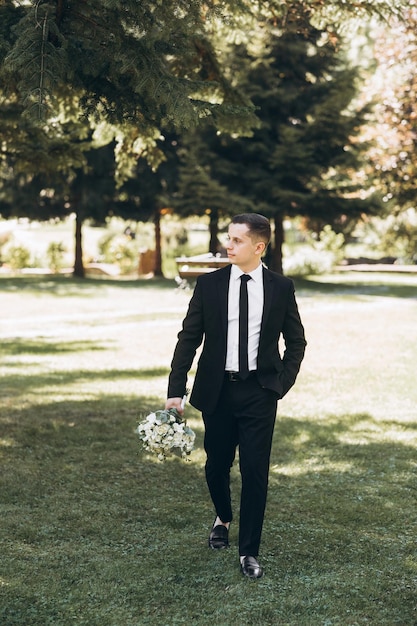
{"x": 194, "y": 266}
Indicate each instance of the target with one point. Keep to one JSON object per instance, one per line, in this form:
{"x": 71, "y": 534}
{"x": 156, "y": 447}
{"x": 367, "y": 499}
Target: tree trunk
{"x": 158, "y": 245}
{"x": 214, "y": 231}
{"x": 79, "y": 271}
{"x": 276, "y": 257}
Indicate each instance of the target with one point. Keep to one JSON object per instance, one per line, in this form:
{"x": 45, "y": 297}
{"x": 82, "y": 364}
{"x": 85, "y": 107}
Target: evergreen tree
{"x": 202, "y": 187}
{"x": 126, "y": 68}
{"x": 134, "y": 68}
{"x": 299, "y": 161}
{"x": 145, "y": 194}
{"x": 147, "y": 63}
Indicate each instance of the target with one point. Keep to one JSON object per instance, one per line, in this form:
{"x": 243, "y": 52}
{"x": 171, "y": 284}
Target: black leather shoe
{"x": 250, "y": 567}
{"x": 219, "y": 537}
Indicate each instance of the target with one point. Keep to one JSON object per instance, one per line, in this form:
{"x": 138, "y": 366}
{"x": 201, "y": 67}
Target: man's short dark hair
{"x": 258, "y": 225}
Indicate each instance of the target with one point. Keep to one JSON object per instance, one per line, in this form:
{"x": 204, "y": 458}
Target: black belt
{"x": 234, "y": 377}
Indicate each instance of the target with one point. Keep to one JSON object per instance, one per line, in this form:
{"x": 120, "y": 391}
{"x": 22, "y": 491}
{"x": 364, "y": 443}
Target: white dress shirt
{"x": 256, "y": 305}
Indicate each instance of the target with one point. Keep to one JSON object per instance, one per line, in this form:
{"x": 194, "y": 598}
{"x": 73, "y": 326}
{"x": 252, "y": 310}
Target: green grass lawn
{"x": 95, "y": 532}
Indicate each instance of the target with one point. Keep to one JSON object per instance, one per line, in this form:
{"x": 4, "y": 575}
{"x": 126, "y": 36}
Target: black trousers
{"x": 245, "y": 418}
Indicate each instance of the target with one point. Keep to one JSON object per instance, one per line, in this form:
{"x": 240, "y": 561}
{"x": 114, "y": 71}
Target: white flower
{"x": 162, "y": 431}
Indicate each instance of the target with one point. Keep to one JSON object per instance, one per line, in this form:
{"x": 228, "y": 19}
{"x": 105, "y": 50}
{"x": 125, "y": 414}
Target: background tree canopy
{"x": 252, "y": 106}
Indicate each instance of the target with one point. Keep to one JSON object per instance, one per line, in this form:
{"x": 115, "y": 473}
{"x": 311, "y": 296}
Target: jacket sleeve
{"x": 295, "y": 343}
{"x": 189, "y": 339}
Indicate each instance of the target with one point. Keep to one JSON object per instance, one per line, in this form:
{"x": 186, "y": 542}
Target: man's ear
{"x": 260, "y": 248}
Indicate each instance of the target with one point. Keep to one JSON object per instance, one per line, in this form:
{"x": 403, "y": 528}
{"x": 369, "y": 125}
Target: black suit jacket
{"x": 207, "y": 319}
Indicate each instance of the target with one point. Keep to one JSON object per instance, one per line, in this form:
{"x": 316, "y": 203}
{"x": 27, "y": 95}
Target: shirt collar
{"x": 255, "y": 274}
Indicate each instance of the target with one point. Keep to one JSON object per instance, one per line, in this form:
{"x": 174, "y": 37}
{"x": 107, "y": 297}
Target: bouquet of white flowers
{"x": 162, "y": 431}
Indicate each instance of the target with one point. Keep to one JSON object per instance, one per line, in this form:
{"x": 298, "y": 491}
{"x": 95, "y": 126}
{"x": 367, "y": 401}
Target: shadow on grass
{"x": 44, "y": 346}
{"x": 22, "y": 384}
{"x": 348, "y": 486}
{"x": 348, "y": 438}
{"x": 396, "y": 286}
{"x": 96, "y": 531}
{"x": 63, "y": 286}
{"x": 368, "y": 286}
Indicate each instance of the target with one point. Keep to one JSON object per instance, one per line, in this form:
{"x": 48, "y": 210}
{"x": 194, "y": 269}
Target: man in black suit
{"x": 240, "y": 375}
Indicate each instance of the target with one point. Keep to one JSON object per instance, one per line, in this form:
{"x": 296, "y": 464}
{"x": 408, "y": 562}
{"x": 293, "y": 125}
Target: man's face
{"x": 242, "y": 250}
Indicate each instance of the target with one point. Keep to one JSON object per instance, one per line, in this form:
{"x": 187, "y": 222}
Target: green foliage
{"x": 17, "y": 257}
{"x": 37, "y": 56}
{"x": 5, "y": 238}
{"x": 151, "y": 63}
{"x": 400, "y": 236}
{"x": 118, "y": 249}
{"x": 127, "y": 74}
{"x": 319, "y": 255}
{"x": 332, "y": 242}
{"x": 392, "y": 126}
{"x": 301, "y": 157}
{"x": 55, "y": 255}
{"x": 395, "y": 235}
{"x": 298, "y": 162}
{"x": 307, "y": 261}
{"x": 176, "y": 241}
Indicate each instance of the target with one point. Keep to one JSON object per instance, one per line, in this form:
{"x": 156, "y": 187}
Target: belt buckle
{"x": 233, "y": 377}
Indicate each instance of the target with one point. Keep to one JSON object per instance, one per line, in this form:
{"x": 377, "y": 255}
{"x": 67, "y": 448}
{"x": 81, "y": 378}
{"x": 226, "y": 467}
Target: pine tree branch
{"x": 41, "y": 100}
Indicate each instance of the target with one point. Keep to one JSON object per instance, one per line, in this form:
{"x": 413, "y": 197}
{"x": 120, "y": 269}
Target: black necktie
{"x": 243, "y": 327}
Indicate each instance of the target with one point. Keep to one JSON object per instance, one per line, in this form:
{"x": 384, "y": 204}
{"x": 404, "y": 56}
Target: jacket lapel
{"x": 222, "y": 294}
{"x": 268, "y": 290}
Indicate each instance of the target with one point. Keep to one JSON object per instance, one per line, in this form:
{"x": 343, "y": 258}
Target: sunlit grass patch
{"x": 95, "y": 531}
